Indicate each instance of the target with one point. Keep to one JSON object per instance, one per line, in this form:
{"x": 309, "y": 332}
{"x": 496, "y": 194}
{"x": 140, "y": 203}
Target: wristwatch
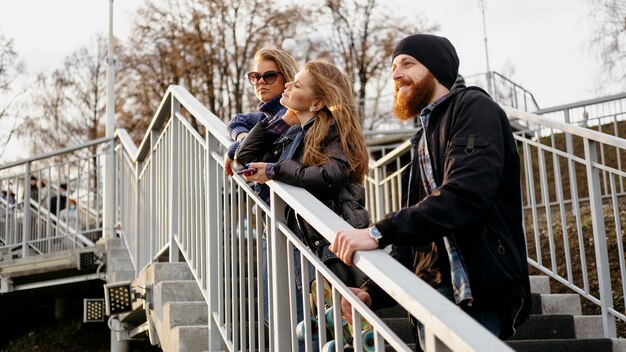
{"x": 375, "y": 234}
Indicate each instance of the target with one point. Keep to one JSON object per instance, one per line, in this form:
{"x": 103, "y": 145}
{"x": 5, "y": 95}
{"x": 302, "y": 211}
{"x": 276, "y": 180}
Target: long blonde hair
{"x": 334, "y": 89}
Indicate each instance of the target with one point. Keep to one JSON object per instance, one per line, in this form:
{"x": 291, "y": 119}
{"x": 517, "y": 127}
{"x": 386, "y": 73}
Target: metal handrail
{"x": 582, "y": 103}
{"x": 203, "y": 115}
{"x": 169, "y": 139}
{"x": 56, "y": 153}
{"x": 526, "y": 91}
{"x": 546, "y": 197}
{"x": 566, "y": 127}
{"x": 491, "y": 76}
{"x": 460, "y": 330}
{"x": 31, "y": 223}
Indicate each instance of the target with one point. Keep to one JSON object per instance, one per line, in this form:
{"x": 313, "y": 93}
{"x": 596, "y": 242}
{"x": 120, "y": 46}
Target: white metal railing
{"x": 605, "y": 114}
{"x": 504, "y": 90}
{"x": 581, "y": 225}
{"x": 173, "y": 196}
{"x": 383, "y": 183}
{"x": 566, "y": 215}
{"x": 26, "y": 226}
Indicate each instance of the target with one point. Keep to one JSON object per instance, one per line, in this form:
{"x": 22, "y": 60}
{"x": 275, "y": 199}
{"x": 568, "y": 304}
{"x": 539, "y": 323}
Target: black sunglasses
{"x": 269, "y": 77}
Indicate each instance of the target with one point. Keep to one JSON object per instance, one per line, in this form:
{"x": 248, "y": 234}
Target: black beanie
{"x": 434, "y": 52}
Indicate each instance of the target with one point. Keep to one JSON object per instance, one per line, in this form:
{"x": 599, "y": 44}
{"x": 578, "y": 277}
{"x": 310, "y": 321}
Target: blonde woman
{"x": 273, "y": 68}
{"x": 327, "y": 156}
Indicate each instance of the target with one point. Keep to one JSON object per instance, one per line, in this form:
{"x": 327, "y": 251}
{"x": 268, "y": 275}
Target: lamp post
{"x": 481, "y": 3}
{"x": 118, "y": 344}
{"x": 108, "y": 216}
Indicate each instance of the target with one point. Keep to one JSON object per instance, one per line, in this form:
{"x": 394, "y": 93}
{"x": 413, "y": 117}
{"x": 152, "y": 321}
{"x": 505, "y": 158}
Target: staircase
{"x": 173, "y": 197}
{"x": 173, "y": 314}
{"x": 180, "y": 313}
{"x": 181, "y": 321}
{"x": 557, "y": 324}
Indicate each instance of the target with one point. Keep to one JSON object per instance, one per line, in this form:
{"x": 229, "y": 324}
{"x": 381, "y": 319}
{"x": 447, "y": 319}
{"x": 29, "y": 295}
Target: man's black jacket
{"x": 476, "y": 166}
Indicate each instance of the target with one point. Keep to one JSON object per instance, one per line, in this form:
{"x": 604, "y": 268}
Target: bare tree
{"x": 364, "y": 33}
{"x": 10, "y": 69}
{"x": 68, "y": 105}
{"x": 205, "y": 46}
{"x": 243, "y": 27}
{"x": 609, "y": 19}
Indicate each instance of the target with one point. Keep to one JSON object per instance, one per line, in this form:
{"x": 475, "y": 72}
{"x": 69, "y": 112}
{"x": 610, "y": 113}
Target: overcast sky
{"x": 546, "y": 41}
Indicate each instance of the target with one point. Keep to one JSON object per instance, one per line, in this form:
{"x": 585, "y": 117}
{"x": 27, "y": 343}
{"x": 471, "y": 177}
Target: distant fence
{"x": 27, "y": 226}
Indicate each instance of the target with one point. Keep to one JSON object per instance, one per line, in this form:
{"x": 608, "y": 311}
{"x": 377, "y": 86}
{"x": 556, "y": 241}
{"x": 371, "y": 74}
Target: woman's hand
{"x": 346, "y": 307}
{"x": 227, "y": 167}
{"x": 259, "y": 176}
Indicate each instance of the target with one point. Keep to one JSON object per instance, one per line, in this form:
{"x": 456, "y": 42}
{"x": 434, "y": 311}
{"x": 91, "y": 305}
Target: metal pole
{"x": 108, "y": 216}
{"x": 174, "y": 187}
{"x": 599, "y": 238}
{"x": 26, "y": 214}
{"x": 489, "y": 83}
{"x": 109, "y": 160}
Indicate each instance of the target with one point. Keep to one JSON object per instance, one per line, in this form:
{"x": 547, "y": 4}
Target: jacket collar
{"x": 271, "y": 107}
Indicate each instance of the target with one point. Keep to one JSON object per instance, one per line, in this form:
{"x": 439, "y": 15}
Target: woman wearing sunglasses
{"x": 327, "y": 157}
{"x": 272, "y": 69}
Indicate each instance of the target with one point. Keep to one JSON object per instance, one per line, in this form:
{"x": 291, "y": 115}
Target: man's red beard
{"x": 407, "y": 106}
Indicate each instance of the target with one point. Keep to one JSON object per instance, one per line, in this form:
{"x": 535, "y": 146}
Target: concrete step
{"x": 119, "y": 263}
{"x": 171, "y": 272}
{"x": 560, "y": 326}
{"x": 556, "y": 303}
{"x": 544, "y": 327}
{"x": 112, "y": 243}
{"x": 535, "y": 299}
{"x": 175, "y": 291}
{"x": 122, "y": 275}
{"x": 588, "y": 327}
{"x": 588, "y": 345}
{"x": 539, "y": 284}
{"x": 158, "y": 272}
{"x": 118, "y": 253}
{"x": 185, "y": 314}
{"x": 189, "y": 338}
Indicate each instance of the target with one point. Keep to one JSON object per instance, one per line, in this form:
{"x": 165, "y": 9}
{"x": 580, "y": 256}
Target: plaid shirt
{"x": 458, "y": 271}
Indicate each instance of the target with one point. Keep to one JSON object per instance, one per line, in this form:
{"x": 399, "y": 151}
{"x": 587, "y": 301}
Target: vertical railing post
{"x": 213, "y": 195}
{"x": 380, "y": 207}
{"x": 280, "y": 327}
{"x": 140, "y": 251}
{"x": 599, "y": 238}
{"x": 151, "y": 212}
{"x": 26, "y": 212}
{"x": 173, "y": 211}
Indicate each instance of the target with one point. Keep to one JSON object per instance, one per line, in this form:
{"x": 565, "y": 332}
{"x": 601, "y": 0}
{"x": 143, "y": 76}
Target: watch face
{"x": 375, "y": 233}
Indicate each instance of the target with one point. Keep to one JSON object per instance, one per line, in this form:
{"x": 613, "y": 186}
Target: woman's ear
{"x": 316, "y": 106}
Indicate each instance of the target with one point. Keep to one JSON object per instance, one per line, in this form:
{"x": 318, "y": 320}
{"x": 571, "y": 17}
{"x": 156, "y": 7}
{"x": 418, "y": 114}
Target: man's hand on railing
{"x": 349, "y": 241}
{"x": 346, "y": 307}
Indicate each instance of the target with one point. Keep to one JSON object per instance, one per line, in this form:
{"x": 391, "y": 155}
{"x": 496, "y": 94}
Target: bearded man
{"x": 461, "y": 227}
